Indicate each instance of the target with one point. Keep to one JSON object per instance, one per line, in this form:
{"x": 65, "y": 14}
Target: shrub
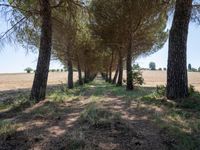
{"x": 28, "y": 70}
{"x": 191, "y": 89}
{"x": 136, "y": 66}
{"x": 152, "y": 65}
{"x": 189, "y": 67}
{"x": 161, "y": 90}
{"x": 160, "y": 69}
{"x": 137, "y": 77}
{"x": 193, "y": 70}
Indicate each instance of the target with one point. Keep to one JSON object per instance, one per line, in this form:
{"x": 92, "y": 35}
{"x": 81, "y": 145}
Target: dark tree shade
{"x": 129, "y": 85}
{"x": 70, "y": 75}
{"x": 38, "y": 90}
{"x": 177, "y": 78}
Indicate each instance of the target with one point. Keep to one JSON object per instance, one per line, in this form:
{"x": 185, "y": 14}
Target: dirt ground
{"x": 20, "y": 81}
{"x": 43, "y": 129}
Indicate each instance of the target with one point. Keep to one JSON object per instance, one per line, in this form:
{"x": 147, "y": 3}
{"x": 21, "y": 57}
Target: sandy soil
{"x": 20, "y": 81}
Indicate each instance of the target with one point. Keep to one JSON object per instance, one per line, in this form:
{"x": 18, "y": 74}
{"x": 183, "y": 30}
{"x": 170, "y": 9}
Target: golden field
{"x": 23, "y": 80}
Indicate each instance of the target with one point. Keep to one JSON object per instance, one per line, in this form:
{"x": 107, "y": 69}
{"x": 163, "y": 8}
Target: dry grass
{"x": 153, "y": 78}
{"x": 20, "y": 81}
{"x": 23, "y": 80}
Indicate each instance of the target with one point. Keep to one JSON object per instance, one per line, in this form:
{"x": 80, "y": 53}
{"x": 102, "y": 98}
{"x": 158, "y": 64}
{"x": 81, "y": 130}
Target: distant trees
{"x": 152, "y": 65}
{"x": 28, "y": 69}
{"x": 130, "y": 29}
{"x": 189, "y": 67}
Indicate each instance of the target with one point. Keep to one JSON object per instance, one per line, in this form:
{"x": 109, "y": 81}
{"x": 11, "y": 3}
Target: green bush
{"x": 28, "y": 70}
{"x": 137, "y": 77}
{"x": 152, "y": 65}
{"x": 161, "y": 90}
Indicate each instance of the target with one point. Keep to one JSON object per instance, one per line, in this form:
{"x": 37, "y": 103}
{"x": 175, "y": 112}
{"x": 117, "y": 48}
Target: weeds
{"x": 7, "y": 128}
{"x": 96, "y": 116}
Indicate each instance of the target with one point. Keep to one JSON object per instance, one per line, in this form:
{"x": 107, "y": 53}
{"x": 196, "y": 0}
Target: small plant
{"x": 161, "y": 90}
{"x": 191, "y": 89}
{"x": 28, "y": 70}
{"x": 7, "y": 128}
{"x": 97, "y": 116}
{"x": 137, "y": 77}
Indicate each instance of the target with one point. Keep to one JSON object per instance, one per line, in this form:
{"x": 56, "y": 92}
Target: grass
{"x": 18, "y": 103}
{"x": 180, "y": 122}
{"x": 94, "y": 115}
{"x": 7, "y": 128}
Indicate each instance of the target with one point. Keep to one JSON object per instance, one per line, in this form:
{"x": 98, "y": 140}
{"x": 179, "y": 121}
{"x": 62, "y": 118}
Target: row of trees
{"x": 101, "y": 36}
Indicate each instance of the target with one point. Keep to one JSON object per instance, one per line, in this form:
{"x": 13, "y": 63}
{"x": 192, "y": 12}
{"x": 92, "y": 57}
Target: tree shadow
{"x": 143, "y": 123}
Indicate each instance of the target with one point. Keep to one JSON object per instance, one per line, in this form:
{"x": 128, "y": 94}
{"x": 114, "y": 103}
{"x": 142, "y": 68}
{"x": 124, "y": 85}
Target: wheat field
{"x": 23, "y": 80}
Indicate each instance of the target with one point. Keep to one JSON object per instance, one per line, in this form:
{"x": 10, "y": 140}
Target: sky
{"x": 14, "y": 59}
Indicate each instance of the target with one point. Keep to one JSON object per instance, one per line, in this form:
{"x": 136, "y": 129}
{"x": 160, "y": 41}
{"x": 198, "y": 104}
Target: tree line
{"x": 101, "y": 36}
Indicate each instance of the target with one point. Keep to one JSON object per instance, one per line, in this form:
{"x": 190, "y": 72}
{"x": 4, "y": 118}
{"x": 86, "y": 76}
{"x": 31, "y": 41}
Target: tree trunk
{"x": 70, "y": 74}
{"x": 120, "y": 78}
{"x": 86, "y": 77}
{"x": 80, "y": 80}
{"x": 115, "y": 76}
{"x": 107, "y": 75}
{"x": 110, "y": 69}
{"x": 38, "y": 91}
{"x": 129, "y": 74}
{"x": 177, "y": 78}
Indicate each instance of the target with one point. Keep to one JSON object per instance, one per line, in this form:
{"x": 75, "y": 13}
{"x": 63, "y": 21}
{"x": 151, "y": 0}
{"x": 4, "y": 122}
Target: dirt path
{"x": 58, "y": 125}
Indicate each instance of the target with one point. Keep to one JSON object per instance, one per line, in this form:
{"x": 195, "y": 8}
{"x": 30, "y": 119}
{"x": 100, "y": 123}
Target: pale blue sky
{"x": 13, "y": 58}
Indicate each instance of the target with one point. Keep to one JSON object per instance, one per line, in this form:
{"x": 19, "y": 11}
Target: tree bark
{"x": 87, "y": 74}
{"x": 120, "y": 78}
{"x": 70, "y": 74}
{"x": 38, "y": 91}
{"x": 177, "y": 78}
{"x": 129, "y": 72}
{"x": 80, "y": 80}
{"x": 115, "y": 76}
{"x": 110, "y": 69}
